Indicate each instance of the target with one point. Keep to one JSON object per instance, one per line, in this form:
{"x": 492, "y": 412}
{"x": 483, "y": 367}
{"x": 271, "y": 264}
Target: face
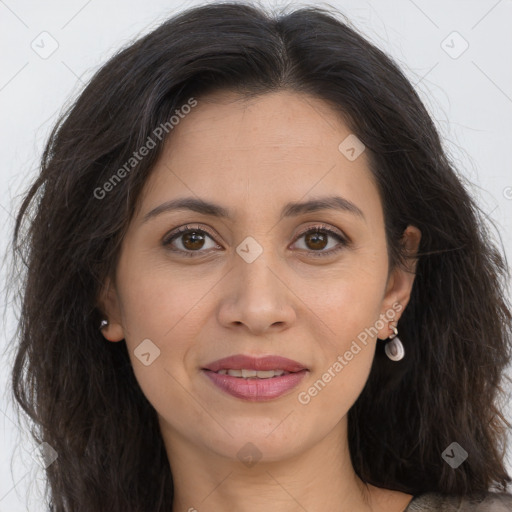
{"x": 270, "y": 278}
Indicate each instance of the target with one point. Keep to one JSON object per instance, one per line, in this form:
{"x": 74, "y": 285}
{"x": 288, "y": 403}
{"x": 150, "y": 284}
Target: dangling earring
{"x": 394, "y": 349}
{"x": 103, "y": 323}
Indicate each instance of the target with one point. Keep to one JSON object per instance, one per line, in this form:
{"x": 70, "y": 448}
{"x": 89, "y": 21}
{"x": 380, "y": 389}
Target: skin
{"x": 268, "y": 151}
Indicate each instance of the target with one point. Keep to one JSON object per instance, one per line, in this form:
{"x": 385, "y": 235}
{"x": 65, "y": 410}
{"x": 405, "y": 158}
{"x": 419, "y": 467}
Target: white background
{"x": 470, "y": 98}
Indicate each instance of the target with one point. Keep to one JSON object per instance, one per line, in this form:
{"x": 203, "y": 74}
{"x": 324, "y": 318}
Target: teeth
{"x": 248, "y": 374}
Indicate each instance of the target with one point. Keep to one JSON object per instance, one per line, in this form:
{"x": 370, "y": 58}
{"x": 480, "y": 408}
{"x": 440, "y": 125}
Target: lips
{"x": 250, "y": 378}
{"x": 255, "y": 389}
{"x": 267, "y": 363}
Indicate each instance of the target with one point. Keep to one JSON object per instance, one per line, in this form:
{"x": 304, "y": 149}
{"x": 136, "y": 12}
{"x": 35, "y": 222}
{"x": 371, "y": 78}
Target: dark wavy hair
{"x": 80, "y": 392}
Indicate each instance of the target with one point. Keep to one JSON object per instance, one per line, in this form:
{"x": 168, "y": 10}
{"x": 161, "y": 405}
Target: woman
{"x": 254, "y": 281}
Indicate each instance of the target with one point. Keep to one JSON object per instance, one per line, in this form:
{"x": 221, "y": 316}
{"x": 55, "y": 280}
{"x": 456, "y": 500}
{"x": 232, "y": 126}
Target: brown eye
{"x": 188, "y": 240}
{"x": 317, "y": 239}
{"x": 192, "y": 240}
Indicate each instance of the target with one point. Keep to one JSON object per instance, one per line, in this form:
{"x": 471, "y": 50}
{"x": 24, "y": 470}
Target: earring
{"x": 394, "y": 349}
{"x": 103, "y": 323}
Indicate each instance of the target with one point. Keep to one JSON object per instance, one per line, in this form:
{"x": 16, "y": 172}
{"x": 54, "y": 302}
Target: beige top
{"x": 435, "y": 502}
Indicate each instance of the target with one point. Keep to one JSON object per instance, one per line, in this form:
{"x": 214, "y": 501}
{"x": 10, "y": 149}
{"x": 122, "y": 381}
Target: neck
{"x": 312, "y": 479}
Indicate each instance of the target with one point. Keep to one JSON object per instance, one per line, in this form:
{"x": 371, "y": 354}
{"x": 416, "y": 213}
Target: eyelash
{"x": 321, "y": 228}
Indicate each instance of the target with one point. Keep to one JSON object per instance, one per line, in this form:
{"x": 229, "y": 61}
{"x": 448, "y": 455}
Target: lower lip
{"x": 256, "y": 390}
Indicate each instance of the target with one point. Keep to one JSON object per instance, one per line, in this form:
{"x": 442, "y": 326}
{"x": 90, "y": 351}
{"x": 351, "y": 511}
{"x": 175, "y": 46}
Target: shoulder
{"x": 482, "y": 502}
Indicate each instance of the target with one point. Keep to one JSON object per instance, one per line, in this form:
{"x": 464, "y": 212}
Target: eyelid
{"x": 183, "y": 229}
{"x": 323, "y": 227}
{"x": 342, "y": 238}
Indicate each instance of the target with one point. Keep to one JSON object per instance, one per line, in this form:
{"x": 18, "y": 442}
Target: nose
{"x": 257, "y": 298}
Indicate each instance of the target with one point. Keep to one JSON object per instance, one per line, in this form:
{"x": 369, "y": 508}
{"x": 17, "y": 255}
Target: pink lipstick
{"x": 255, "y": 379}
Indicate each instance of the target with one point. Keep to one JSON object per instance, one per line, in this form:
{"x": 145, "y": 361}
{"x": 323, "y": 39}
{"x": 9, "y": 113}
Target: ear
{"x": 400, "y": 282}
{"x": 109, "y": 304}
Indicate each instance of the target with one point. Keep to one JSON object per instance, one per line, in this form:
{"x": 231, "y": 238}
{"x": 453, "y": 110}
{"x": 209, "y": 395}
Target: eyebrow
{"x": 289, "y": 210}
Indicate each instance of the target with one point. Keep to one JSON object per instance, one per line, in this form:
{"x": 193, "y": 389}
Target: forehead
{"x": 274, "y": 148}
{"x": 278, "y": 120}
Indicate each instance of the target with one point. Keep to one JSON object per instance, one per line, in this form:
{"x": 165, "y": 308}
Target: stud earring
{"x": 103, "y": 323}
{"x": 394, "y": 349}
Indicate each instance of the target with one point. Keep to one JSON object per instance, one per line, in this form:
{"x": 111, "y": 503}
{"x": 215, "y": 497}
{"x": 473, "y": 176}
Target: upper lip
{"x": 240, "y": 362}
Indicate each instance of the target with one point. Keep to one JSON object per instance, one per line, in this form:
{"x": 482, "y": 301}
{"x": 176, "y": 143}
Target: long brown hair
{"x": 80, "y": 391}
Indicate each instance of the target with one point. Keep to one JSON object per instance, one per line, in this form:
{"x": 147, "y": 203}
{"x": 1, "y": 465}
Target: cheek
{"x": 351, "y": 313}
{"x": 160, "y": 300}
{"x": 160, "y": 308}
{"x": 334, "y": 390}
{"x": 168, "y": 305}
{"x": 350, "y": 306}
{"x": 349, "y": 298}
